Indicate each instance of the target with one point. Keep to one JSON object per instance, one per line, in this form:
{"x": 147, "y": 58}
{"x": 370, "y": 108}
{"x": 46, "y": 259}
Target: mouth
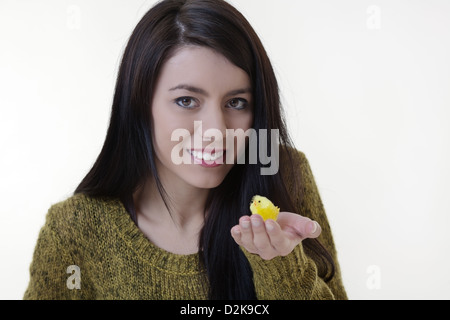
{"x": 208, "y": 159}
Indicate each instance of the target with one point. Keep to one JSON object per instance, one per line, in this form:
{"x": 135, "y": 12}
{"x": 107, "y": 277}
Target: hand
{"x": 271, "y": 238}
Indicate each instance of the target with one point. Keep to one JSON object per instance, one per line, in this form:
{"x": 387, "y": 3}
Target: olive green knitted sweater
{"x": 91, "y": 249}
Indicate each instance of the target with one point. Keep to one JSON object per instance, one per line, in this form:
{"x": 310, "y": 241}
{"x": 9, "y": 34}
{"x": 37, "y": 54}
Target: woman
{"x": 141, "y": 225}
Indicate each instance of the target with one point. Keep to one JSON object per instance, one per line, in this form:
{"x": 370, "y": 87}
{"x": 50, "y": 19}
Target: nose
{"x": 214, "y": 125}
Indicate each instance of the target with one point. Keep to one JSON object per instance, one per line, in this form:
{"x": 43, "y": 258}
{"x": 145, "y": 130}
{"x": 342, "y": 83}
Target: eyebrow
{"x": 203, "y": 92}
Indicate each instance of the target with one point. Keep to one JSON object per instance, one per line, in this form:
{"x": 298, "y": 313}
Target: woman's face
{"x": 198, "y": 97}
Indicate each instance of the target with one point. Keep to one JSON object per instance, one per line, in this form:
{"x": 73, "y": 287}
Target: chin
{"x": 204, "y": 185}
{"x": 206, "y": 178}
{"x": 207, "y": 181}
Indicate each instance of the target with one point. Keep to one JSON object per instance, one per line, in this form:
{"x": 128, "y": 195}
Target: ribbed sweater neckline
{"x": 134, "y": 238}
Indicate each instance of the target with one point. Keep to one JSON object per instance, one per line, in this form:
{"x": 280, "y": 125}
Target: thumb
{"x": 302, "y": 226}
{"x": 307, "y": 228}
{"x": 313, "y": 229}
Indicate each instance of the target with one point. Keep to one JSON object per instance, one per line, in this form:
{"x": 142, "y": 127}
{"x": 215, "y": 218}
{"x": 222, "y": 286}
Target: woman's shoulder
{"x": 299, "y": 180}
{"x": 293, "y": 161}
{"x": 80, "y": 211}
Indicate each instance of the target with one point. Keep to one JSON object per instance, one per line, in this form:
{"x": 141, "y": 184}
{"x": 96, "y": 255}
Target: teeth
{"x": 206, "y": 156}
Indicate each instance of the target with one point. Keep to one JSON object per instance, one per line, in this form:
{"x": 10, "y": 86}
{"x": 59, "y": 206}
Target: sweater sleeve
{"x": 52, "y": 272}
{"x": 295, "y": 276}
{"x": 310, "y": 205}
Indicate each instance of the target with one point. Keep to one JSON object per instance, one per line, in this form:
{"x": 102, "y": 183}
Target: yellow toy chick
{"x": 264, "y": 207}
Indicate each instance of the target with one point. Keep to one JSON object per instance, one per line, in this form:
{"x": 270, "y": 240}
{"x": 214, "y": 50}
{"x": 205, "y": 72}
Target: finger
{"x": 303, "y": 226}
{"x": 260, "y": 236}
{"x": 246, "y": 234}
{"x": 307, "y": 228}
{"x": 314, "y": 229}
{"x": 277, "y": 238}
{"x": 236, "y": 234}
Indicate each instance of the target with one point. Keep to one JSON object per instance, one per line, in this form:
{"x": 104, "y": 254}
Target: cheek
{"x": 242, "y": 121}
{"x": 248, "y": 120}
{"x": 164, "y": 123}
{"x": 240, "y": 125}
{"x": 168, "y": 124}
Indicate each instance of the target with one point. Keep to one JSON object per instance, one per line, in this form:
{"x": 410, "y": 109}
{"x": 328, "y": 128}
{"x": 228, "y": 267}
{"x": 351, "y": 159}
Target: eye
{"x": 187, "y": 102}
{"x": 237, "y": 103}
{"x": 259, "y": 201}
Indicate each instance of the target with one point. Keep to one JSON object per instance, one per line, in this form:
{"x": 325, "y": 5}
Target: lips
{"x": 207, "y": 159}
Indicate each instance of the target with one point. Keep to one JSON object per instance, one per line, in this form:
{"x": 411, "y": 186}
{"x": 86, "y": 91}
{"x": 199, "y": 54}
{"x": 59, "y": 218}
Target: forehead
{"x": 204, "y": 68}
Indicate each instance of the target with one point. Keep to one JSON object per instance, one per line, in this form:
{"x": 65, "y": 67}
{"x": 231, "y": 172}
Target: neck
{"x": 177, "y": 230}
{"x": 186, "y": 203}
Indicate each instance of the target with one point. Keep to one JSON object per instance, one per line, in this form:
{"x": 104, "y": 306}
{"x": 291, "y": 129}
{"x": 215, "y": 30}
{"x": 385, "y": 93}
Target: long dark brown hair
{"x": 126, "y": 160}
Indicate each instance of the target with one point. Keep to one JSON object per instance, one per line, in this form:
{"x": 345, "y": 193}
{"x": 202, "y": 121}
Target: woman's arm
{"x": 49, "y": 277}
{"x": 281, "y": 268}
{"x": 293, "y": 277}
{"x": 310, "y": 205}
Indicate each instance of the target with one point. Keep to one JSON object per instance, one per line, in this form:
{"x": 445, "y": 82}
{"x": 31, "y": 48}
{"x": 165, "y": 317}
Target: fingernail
{"x": 314, "y": 229}
{"x": 245, "y": 224}
{"x": 236, "y": 231}
{"x": 269, "y": 226}
{"x": 256, "y": 223}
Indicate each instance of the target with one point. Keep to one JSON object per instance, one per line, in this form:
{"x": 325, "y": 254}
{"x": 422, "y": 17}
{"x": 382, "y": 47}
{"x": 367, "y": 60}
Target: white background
{"x": 365, "y": 85}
